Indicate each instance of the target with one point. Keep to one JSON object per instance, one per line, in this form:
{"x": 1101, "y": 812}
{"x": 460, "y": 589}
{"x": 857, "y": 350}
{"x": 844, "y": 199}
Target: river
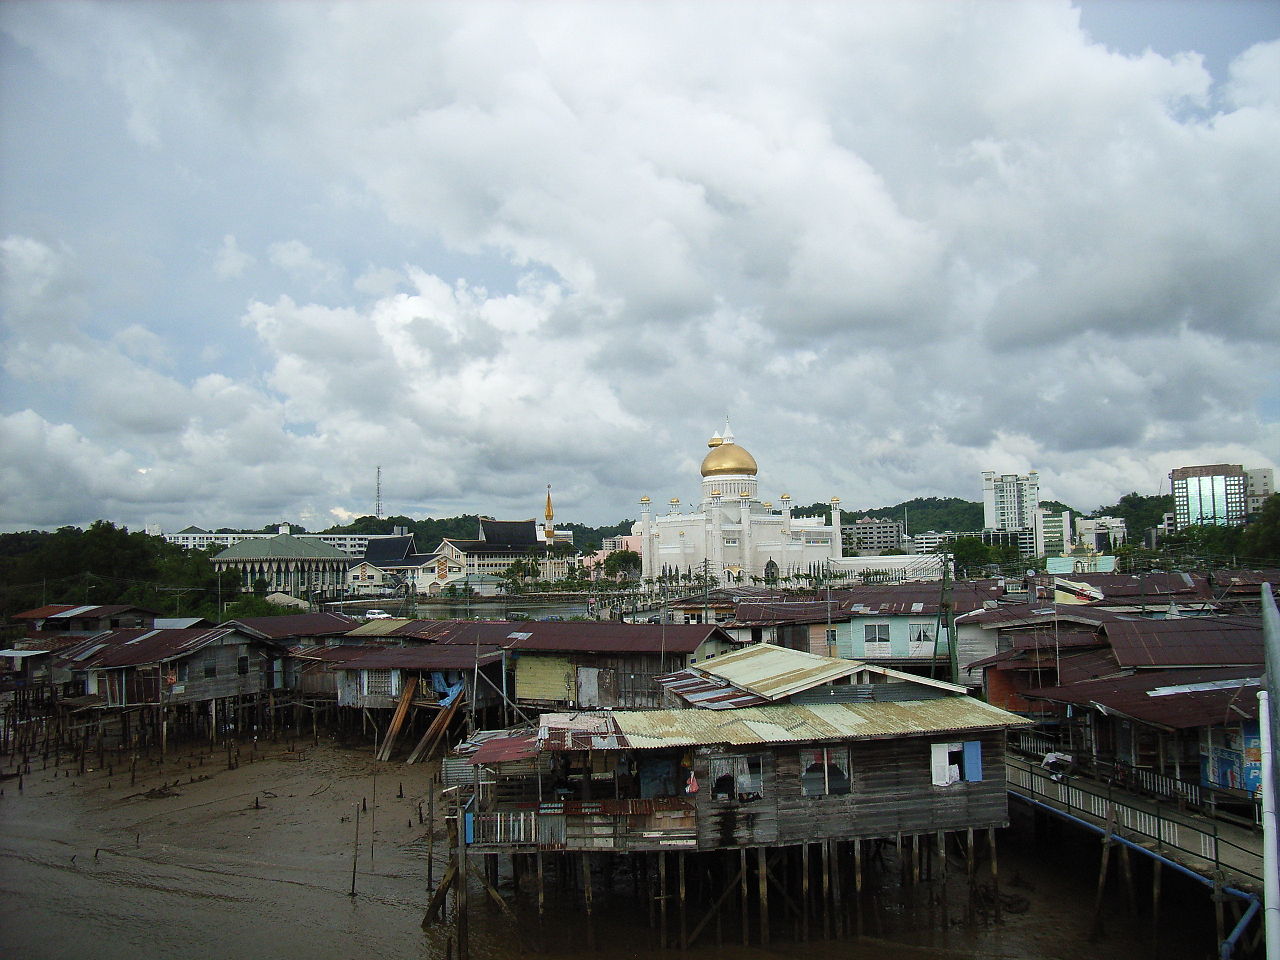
{"x": 257, "y": 861}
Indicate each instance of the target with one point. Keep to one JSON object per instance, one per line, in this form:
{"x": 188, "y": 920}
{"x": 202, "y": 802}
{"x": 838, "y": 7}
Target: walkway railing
{"x": 1200, "y": 843}
{"x": 1033, "y": 743}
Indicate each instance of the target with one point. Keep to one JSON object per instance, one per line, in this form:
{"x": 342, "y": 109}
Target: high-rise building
{"x": 1052, "y": 532}
{"x": 1009, "y": 500}
{"x": 1260, "y": 486}
{"x": 1101, "y": 533}
{"x": 872, "y": 536}
{"x": 1214, "y": 493}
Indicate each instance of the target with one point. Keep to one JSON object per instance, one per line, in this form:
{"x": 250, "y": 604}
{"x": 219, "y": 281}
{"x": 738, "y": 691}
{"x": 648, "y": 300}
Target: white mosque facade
{"x": 732, "y": 534}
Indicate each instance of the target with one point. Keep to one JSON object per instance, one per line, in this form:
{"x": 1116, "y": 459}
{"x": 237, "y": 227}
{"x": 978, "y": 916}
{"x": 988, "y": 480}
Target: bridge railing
{"x": 1202, "y": 846}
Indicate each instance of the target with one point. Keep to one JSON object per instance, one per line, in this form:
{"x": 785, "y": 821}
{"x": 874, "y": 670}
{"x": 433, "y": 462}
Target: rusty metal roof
{"x": 1176, "y": 699}
{"x": 295, "y": 625}
{"x": 128, "y": 648}
{"x": 771, "y": 723}
{"x": 430, "y": 657}
{"x": 1186, "y": 641}
{"x": 380, "y": 628}
{"x": 336, "y": 654}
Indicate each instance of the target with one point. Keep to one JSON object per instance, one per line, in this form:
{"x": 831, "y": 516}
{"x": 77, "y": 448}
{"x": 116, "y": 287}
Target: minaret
{"x": 549, "y": 529}
{"x": 837, "y": 546}
{"x": 648, "y": 559}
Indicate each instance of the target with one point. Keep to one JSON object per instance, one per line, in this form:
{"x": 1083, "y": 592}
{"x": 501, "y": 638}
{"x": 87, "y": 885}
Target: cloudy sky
{"x": 252, "y": 250}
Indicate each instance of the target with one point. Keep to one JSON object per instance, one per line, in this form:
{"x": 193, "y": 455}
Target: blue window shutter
{"x": 973, "y": 760}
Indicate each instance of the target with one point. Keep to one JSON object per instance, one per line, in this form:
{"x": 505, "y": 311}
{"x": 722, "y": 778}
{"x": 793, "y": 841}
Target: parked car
{"x": 377, "y": 615}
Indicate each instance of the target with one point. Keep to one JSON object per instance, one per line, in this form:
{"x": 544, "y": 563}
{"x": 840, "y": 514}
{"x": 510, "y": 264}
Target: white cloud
{"x": 230, "y": 261}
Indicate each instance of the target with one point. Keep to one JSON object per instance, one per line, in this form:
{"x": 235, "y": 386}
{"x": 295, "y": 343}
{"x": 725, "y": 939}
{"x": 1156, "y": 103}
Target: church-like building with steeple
{"x": 733, "y": 535}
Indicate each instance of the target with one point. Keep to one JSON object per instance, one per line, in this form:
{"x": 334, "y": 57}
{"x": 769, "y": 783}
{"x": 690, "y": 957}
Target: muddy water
{"x": 257, "y": 861}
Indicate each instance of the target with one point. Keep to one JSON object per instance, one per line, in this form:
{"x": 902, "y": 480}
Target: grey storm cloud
{"x": 494, "y": 246}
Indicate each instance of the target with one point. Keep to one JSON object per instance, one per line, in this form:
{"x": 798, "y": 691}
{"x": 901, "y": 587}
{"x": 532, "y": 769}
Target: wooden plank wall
{"x": 891, "y": 792}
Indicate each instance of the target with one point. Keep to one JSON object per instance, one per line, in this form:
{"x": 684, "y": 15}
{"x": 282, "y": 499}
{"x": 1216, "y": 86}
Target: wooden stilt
{"x": 746, "y": 913}
{"x": 970, "y": 866}
{"x": 857, "y": 880}
{"x": 586, "y": 882}
{"x": 662, "y": 898}
{"x": 1096, "y": 930}
{"x": 826, "y": 890}
{"x": 763, "y": 869}
{"x": 837, "y": 907}
{"x": 804, "y": 891}
{"x": 1126, "y": 871}
{"x": 915, "y": 858}
{"x": 684, "y": 927}
{"x": 1156, "y": 874}
{"x": 995, "y": 873}
{"x": 720, "y": 901}
{"x": 542, "y": 890}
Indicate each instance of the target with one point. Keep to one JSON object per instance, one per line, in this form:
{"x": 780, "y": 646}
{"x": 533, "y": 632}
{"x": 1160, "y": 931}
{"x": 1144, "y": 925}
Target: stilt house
{"x": 774, "y": 747}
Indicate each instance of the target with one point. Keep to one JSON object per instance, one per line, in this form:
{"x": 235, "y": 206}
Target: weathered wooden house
{"x": 608, "y": 664}
{"x": 171, "y": 667}
{"x": 777, "y": 748}
{"x": 1167, "y": 706}
{"x": 82, "y": 620}
{"x": 204, "y": 682}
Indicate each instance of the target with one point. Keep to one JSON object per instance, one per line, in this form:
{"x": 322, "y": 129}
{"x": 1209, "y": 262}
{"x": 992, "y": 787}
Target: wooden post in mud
{"x": 684, "y": 926}
{"x": 970, "y": 866}
{"x": 804, "y": 891}
{"x": 746, "y": 902}
{"x": 995, "y": 873}
{"x": 1096, "y": 929}
{"x": 857, "y": 880}
{"x": 762, "y": 868}
{"x": 1155, "y": 904}
{"x": 355, "y": 852}
{"x": 826, "y": 889}
{"x": 542, "y": 892}
{"x": 662, "y": 898}
{"x": 460, "y": 888}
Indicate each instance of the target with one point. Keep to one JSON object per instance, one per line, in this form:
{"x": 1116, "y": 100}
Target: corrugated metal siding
{"x": 545, "y": 678}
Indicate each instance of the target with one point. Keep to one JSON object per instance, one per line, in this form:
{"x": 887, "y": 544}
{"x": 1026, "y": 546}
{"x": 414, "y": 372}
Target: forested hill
{"x": 922, "y": 513}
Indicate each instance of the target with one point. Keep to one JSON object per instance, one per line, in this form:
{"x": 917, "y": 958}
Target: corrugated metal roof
{"x": 1155, "y": 697}
{"x": 1186, "y": 641}
{"x": 296, "y": 625}
{"x": 774, "y": 672}
{"x": 380, "y": 628}
{"x": 433, "y": 657}
{"x": 772, "y": 723}
{"x": 127, "y": 648}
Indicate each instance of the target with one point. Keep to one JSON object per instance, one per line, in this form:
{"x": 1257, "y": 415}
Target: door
{"x": 589, "y": 686}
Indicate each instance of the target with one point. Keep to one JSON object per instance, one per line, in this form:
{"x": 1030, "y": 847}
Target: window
{"x": 183, "y": 671}
{"x": 956, "y": 762}
{"x": 824, "y": 771}
{"x": 737, "y": 778}
{"x": 242, "y": 666}
{"x": 831, "y": 636}
{"x": 378, "y": 683}
{"x": 920, "y": 639}
{"x": 875, "y": 639}
{"x": 210, "y": 668}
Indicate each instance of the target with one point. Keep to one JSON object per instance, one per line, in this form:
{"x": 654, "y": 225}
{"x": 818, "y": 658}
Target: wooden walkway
{"x": 1203, "y": 844}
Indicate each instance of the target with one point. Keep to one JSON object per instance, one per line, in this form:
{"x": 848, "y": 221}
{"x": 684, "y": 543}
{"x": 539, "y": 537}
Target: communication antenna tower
{"x": 377, "y": 502}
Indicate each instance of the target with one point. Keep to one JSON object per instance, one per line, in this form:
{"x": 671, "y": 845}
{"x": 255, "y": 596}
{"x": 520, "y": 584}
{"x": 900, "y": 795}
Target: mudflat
{"x": 194, "y": 859}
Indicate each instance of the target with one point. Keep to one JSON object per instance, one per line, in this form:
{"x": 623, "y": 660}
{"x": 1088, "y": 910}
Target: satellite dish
{"x": 1031, "y": 573}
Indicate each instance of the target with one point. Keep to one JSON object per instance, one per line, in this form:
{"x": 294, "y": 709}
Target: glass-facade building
{"x": 1215, "y": 494}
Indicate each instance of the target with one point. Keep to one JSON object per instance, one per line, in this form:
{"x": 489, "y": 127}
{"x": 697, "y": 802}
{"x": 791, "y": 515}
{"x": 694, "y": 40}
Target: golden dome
{"x": 728, "y": 458}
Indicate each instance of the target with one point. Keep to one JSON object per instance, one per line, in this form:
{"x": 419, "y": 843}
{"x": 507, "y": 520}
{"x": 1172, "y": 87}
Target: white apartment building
{"x": 1101, "y": 534}
{"x": 1009, "y": 500}
{"x": 194, "y": 538}
{"x": 1260, "y": 484}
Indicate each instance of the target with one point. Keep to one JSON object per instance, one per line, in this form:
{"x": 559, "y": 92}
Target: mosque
{"x": 733, "y": 534}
